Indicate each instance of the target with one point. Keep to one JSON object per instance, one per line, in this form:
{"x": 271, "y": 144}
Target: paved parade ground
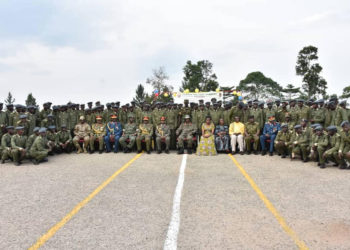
{"x": 129, "y": 201}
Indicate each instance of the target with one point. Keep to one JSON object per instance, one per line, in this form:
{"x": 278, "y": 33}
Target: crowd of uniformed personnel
{"x": 314, "y": 129}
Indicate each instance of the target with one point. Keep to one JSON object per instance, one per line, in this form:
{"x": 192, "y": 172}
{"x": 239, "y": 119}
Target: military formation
{"x": 310, "y": 130}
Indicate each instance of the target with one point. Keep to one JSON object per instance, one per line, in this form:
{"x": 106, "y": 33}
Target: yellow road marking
{"x": 41, "y": 241}
{"x": 301, "y": 244}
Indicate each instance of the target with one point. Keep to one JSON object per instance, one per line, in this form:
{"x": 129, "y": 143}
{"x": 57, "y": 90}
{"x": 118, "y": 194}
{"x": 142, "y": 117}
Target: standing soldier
{"x": 4, "y": 121}
{"x": 270, "y": 111}
{"x": 145, "y": 133}
{"x": 317, "y": 115}
{"x": 163, "y": 133}
{"x": 344, "y": 147}
{"x": 171, "y": 117}
{"x": 63, "y": 117}
{"x": 282, "y": 112}
{"x": 282, "y": 140}
{"x": 32, "y": 118}
{"x": 98, "y": 131}
{"x": 45, "y": 111}
{"x": 226, "y": 114}
{"x": 201, "y": 115}
{"x": 81, "y": 131}
{"x": 9, "y": 111}
{"x": 215, "y": 114}
{"x": 258, "y": 114}
{"x": 186, "y": 132}
{"x": 6, "y": 144}
{"x": 252, "y": 131}
{"x": 72, "y": 118}
{"x": 64, "y": 140}
{"x": 38, "y": 151}
{"x": 293, "y": 110}
{"x": 23, "y": 122}
{"x": 18, "y": 146}
{"x": 303, "y": 111}
{"x": 129, "y": 133}
{"x": 341, "y": 113}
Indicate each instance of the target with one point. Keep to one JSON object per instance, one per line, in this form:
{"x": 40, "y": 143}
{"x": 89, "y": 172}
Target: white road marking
{"x": 173, "y": 230}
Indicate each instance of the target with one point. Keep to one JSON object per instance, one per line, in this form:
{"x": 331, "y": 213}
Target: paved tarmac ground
{"x": 243, "y": 202}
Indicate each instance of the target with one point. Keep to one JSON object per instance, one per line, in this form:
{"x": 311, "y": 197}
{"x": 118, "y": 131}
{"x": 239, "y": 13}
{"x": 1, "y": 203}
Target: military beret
{"x": 132, "y": 102}
{"x": 301, "y": 100}
{"x": 10, "y": 127}
{"x": 333, "y": 99}
{"x": 261, "y": 103}
{"x": 31, "y": 107}
{"x": 207, "y": 103}
{"x": 297, "y": 126}
{"x": 314, "y": 125}
{"x": 36, "y": 129}
{"x": 342, "y": 102}
{"x": 89, "y": 103}
{"x": 9, "y": 105}
{"x": 317, "y": 124}
{"x": 215, "y": 104}
{"x": 250, "y": 101}
{"x": 201, "y": 105}
{"x": 17, "y": 106}
{"x": 22, "y": 116}
{"x": 50, "y": 115}
{"x": 278, "y": 100}
{"x": 52, "y": 127}
{"x": 82, "y": 105}
{"x": 255, "y": 100}
{"x": 187, "y": 117}
{"x": 334, "y": 128}
{"x": 319, "y": 128}
{"x": 63, "y": 126}
{"x": 42, "y": 130}
{"x": 304, "y": 120}
{"x": 344, "y": 123}
{"x": 19, "y": 128}
{"x": 320, "y": 101}
{"x": 284, "y": 125}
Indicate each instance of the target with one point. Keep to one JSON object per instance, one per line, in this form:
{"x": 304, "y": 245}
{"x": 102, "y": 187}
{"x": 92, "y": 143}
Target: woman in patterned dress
{"x": 206, "y": 145}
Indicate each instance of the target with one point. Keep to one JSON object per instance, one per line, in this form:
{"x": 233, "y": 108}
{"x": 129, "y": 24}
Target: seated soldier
{"x": 51, "y": 137}
{"x": 236, "y": 132}
{"x": 64, "y": 140}
{"x": 185, "y": 132}
{"x": 319, "y": 145}
{"x": 222, "y": 137}
{"x": 129, "y": 133}
{"x": 282, "y": 140}
{"x": 18, "y": 146}
{"x": 344, "y": 148}
{"x": 81, "y": 131}
{"x": 299, "y": 143}
{"x": 163, "y": 133}
{"x": 6, "y": 144}
{"x": 333, "y": 147}
{"x": 113, "y": 132}
{"x": 38, "y": 151}
{"x": 270, "y": 131}
{"x": 98, "y": 131}
{"x": 252, "y": 131}
{"x": 145, "y": 132}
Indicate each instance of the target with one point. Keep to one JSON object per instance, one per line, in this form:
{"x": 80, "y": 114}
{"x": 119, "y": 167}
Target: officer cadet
{"x": 270, "y": 111}
{"x": 293, "y": 112}
{"x": 145, "y": 112}
{"x": 331, "y": 114}
{"x": 277, "y": 105}
{"x": 207, "y": 106}
{"x": 251, "y": 133}
{"x": 51, "y": 138}
{"x": 18, "y": 146}
{"x": 129, "y": 132}
{"x": 63, "y": 117}
{"x": 6, "y": 144}
{"x": 317, "y": 115}
{"x": 64, "y": 140}
{"x": 123, "y": 115}
{"x": 145, "y": 132}
{"x": 157, "y": 113}
{"x": 185, "y": 132}
{"x": 98, "y": 132}
{"x": 341, "y": 113}
{"x": 303, "y": 111}
{"x": 114, "y": 130}
{"x": 288, "y": 121}
{"x": 4, "y": 120}
{"x": 81, "y": 131}
{"x": 215, "y": 113}
{"x": 48, "y": 121}
{"x": 45, "y": 111}
{"x": 38, "y": 152}
{"x": 298, "y": 143}
{"x": 319, "y": 145}
{"x": 250, "y": 104}
{"x": 23, "y": 122}
{"x": 257, "y": 113}
{"x": 282, "y": 112}
{"x": 185, "y": 110}
{"x": 332, "y": 153}
{"x": 72, "y": 118}
{"x": 261, "y": 105}
{"x": 238, "y": 112}
{"x": 246, "y": 113}
{"x": 344, "y": 148}
{"x": 201, "y": 115}
{"x": 107, "y": 112}
{"x": 9, "y": 111}
{"x": 32, "y": 118}
{"x": 32, "y": 137}
{"x": 270, "y": 131}
{"x": 282, "y": 140}
{"x": 162, "y": 133}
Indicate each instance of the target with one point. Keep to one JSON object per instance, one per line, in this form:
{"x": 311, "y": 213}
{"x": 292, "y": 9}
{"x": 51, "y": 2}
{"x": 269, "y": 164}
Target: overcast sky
{"x": 100, "y": 50}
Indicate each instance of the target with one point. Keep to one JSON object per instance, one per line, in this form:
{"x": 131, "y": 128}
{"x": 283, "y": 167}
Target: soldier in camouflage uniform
{"x": 185, "y": 132}
{"x": 18, "y": 146}
{"x": 252, "y": 131}
{"x": 6, "y": 144}
{"x": 38, "y": 152}
{"x": 282, "y": 140}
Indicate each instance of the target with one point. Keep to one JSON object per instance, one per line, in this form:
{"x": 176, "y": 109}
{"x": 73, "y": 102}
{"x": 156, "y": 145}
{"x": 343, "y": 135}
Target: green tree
{"x": 199, "y": 76}
{"x": 140, "y": 94}
{"x": 10, "y": 99}
{"x": 291, "y": 91}
{"x": 30, "y": 100}
{"x": 309, "y": 69}
{"x": 257, "y": 86}
{"x": 346, "y": 92}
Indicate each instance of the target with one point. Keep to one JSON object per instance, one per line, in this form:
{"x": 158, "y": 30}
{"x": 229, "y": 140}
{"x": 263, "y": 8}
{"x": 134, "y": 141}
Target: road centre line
{"x": 301, "y": 244}
{"x": 51, "y": 232}
{"x": 174, "y": 225}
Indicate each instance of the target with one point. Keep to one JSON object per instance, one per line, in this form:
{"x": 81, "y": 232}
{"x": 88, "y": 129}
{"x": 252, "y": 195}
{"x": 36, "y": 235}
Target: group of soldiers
{"x": 297, "y": 127}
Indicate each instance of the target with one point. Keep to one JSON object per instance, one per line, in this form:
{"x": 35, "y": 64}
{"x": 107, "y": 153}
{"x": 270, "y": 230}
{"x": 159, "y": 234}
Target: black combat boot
{"x": 180, "y": 151}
